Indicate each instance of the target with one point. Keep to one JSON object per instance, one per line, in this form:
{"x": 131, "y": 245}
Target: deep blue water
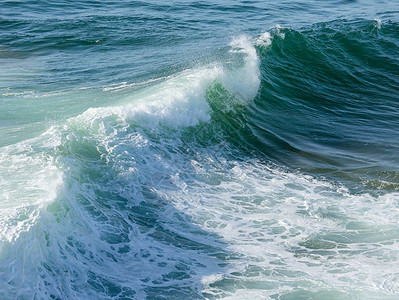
{"x": 199, "y": 150}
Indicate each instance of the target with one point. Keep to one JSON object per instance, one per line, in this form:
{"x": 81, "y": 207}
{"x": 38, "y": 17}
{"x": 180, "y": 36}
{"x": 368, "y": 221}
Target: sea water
{"x": 199, "y": 149}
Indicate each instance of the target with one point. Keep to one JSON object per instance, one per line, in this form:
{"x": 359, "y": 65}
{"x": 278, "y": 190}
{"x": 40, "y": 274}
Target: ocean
{"x": 199, "y": 149}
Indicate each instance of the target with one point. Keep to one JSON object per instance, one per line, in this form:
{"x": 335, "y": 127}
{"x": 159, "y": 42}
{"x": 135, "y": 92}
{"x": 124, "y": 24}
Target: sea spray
{"x": 116, "y": 162}
{"x": 265, "y": 169}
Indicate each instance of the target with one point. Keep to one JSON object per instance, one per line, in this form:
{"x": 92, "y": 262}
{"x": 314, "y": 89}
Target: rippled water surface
{"x": 199, "y": 150}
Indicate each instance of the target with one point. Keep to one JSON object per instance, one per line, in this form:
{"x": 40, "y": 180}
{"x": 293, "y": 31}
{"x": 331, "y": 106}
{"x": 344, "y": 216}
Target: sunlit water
{"x": 199, "y": 150}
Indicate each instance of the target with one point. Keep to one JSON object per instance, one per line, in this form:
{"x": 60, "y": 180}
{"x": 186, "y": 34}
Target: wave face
{"x": 328, "y": 102}
{"x": 267, "y": 169}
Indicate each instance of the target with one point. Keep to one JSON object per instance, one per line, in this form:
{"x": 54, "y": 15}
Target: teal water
{"x": 199, "y": 150}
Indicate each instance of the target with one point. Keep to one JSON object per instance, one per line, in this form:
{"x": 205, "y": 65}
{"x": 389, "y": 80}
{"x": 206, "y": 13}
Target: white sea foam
{"x": 23, "y": 94}
{"x": 377, "y": 23}
{"x": 245, "y": 81}
{"x": 180, "y": 101}
{"x": 123, "y": 85}
{"x": 279, "y": 31}
{"x": 57, "y": 236}
{"x": 126, "y": 207}
{"x": 309, "y": 228}
{"x": 29, "y": 179}
{"x": 265, "y": 39}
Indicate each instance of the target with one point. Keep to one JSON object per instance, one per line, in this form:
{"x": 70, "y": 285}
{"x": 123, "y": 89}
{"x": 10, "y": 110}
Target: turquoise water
{"x": 199, "y": 150}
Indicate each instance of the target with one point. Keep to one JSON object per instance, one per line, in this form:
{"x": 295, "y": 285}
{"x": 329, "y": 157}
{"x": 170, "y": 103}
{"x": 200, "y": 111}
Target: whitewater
{"x": 264, "y": 168}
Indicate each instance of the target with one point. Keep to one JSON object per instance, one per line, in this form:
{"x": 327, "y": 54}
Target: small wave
{"x": 123, "y": 85}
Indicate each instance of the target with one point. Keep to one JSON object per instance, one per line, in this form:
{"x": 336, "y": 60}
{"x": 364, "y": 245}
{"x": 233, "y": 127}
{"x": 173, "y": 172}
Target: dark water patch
{"x": 329, "y": 99}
